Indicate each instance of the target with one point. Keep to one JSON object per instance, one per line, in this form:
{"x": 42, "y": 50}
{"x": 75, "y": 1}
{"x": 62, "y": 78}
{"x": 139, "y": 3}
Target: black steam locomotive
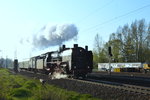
{"x": 76, "y": 61}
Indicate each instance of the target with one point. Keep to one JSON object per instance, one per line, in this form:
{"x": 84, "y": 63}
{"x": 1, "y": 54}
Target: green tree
{"x": 99, "y": 54}
{"x": 131, "y": 43}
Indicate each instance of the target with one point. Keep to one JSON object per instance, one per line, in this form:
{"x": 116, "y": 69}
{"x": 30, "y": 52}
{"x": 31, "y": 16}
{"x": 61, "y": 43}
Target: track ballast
{"x": 100, "y": 89}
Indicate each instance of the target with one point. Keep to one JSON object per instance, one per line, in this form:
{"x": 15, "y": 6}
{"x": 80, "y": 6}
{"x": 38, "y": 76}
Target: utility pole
{"x": 110, "y": 55}
{"x": 1, "y": 61}
{"x": 6, "y": 62}
{"x": 15, "y": 61}
{"x": 16, "y": 65}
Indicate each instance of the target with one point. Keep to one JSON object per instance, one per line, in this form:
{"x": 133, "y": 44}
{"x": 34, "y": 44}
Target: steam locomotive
{"x": 76, "y": 61}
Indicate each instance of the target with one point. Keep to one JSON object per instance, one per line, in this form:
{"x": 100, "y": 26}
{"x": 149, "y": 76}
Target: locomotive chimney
{"x": 86, "y": 48}
{"x": 75, "y": 45}
{"x": 63, "y": 47}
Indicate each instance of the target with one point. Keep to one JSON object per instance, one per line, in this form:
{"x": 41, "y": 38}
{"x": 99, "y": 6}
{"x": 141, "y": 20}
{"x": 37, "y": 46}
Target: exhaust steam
{"x": 57, "y": 75}
{"x": 52, "y": 35}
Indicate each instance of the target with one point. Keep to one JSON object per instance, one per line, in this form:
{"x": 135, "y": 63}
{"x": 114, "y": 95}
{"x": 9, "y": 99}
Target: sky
{"x": 21, "y": 19}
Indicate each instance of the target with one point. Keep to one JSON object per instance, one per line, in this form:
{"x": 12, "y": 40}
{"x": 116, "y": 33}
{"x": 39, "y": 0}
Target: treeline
{"x": 130, "y": 43}
{"x": 6, "y": 63}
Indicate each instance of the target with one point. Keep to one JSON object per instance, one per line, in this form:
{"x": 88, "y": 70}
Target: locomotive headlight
{"x": 74, "y": 67}
{"x": 88, "y": 67}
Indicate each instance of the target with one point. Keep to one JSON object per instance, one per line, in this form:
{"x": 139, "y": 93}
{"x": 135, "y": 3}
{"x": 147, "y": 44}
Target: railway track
{"x": 132, "y": 80}
{"x": 98, "y": 88}
{"x": 131, "y": 74}
{"x": 120, "y": 86}
{"x": 123, "y": 87}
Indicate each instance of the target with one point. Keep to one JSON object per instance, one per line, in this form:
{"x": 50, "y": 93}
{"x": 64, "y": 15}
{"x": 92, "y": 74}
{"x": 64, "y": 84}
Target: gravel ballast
{"x": 105, "y": 93}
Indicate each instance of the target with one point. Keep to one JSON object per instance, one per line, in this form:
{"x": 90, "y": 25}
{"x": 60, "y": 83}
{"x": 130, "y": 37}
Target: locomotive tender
{"x": 76, "y": 61}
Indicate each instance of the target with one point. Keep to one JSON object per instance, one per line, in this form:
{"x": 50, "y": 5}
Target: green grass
{"x": 16, "y": 87}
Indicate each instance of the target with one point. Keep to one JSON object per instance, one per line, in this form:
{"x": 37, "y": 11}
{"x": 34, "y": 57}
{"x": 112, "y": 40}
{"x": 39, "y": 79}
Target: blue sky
{"x": 22, "y": 18}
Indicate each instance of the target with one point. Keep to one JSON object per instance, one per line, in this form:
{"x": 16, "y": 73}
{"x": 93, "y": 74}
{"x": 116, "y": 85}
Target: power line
{"x": 115, "y": 18}
{"x": 96, "y": 10}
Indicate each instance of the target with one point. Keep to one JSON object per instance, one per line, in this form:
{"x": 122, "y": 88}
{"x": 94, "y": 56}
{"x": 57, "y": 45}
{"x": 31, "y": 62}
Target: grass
{"x": 16, "y": 87}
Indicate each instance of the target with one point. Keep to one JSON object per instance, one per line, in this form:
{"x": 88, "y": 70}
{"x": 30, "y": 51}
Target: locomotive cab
{"x": 81, "y": 61}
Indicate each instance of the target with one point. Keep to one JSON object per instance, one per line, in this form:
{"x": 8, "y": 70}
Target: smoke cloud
{"x": 57, "y": 75}
{"x": 52, "y": 35}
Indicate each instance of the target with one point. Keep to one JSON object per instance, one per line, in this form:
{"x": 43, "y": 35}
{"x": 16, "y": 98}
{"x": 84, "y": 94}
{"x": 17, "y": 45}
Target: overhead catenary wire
{"x": 115, "y": 18}
{"x": 94, "y": 11}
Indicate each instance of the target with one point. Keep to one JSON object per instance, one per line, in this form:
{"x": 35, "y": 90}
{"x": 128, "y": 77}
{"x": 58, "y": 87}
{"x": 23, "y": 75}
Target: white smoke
{"x": 52, "y": 35}
{"x": 57, "y": 75}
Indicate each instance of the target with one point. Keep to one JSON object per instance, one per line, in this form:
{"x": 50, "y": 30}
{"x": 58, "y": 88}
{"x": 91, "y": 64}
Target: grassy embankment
{"x": 16, "y": 87}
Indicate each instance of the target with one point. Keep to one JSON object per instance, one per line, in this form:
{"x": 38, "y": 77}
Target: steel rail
{"x": 120, "y": 86}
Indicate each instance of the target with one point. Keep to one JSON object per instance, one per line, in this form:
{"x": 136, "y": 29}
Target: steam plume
{"x": 57, "y": 75}
{"x": 52, "y": 35}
